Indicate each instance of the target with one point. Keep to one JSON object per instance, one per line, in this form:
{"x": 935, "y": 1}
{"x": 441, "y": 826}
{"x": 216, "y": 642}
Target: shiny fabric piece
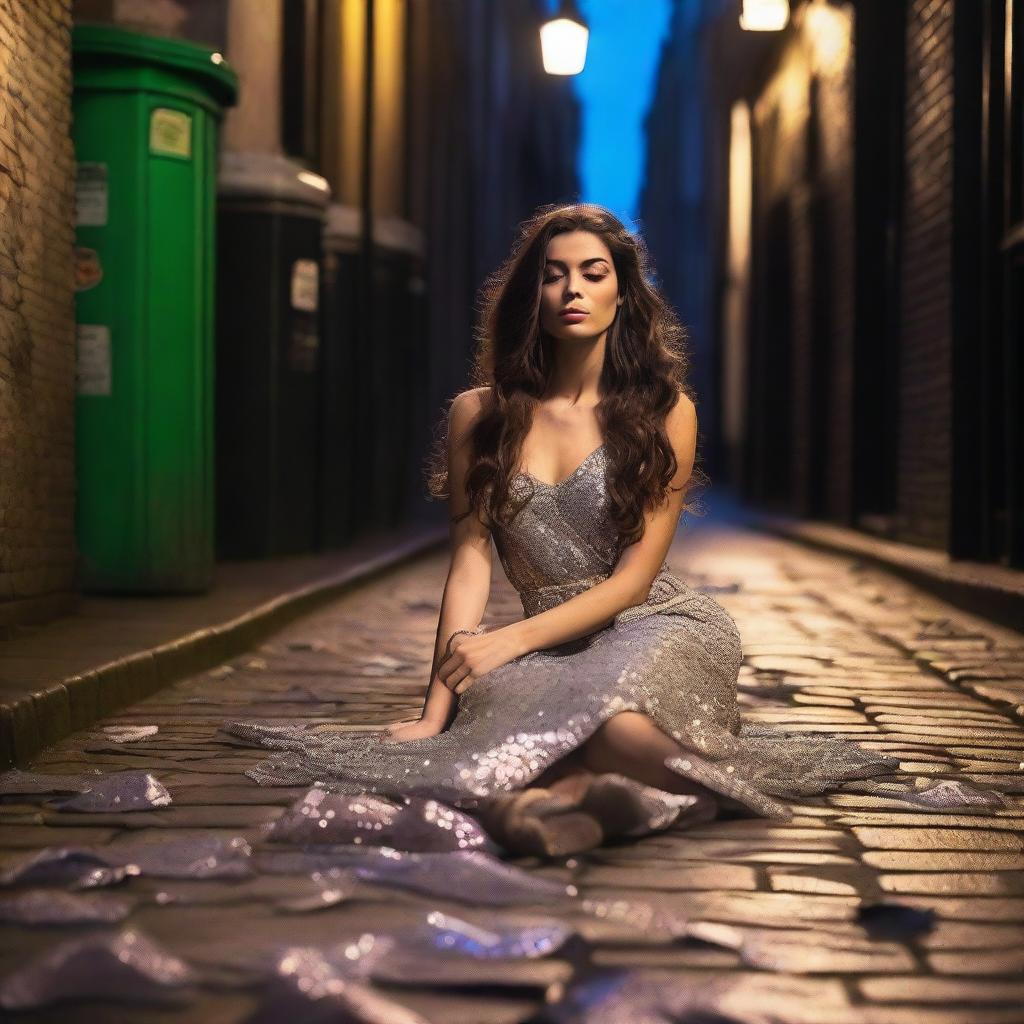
{"x": 201, "y": 856}
{"x": 415, "y": 824}
{"x": 118, "y": 791}
{"x": 446, "y": 933}
{"x": 469, "y": 876}
{"x": 333, "y": 888}
{"x": 127, "y": 967}
{"x": 122, "y": 791}
{"x": 441, "y": 951}
{"x": 675, "y": 657}
{"x": 129, "y": 733}
{"x": 53, "y": 906}
{"x": 937, "y": 794}
{"x": 83, "y": 867}
{"x": 315, "y": 989}
{"x": 77, "y": 867}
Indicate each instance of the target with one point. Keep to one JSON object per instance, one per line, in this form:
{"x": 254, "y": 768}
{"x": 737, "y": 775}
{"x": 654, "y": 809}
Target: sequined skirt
{"x": 676, "y": 658}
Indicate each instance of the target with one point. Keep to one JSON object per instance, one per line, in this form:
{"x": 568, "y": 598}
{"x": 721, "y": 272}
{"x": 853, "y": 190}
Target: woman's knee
{"x": 625, "y": 734}
{"x": 631, "y": 743}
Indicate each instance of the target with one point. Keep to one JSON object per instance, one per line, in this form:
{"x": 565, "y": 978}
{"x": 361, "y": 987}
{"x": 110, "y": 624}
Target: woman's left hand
{"x": 474, "y": 656}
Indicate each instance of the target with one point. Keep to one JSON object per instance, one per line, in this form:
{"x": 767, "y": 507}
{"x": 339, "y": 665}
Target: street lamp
{"x": 764, "y": 15}
{"x": 563, "y": 41}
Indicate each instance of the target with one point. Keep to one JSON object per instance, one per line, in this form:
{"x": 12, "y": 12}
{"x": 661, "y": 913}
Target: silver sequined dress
{"x": 675, "y": 657}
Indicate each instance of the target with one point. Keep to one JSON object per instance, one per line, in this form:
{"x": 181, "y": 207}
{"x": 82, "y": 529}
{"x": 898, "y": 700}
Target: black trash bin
{"x": 269, "y": 221}
{"x": 375, "y": 378}
{"x": 424, "y": 403}
{"x": 345, "y": 461}
{"x": 401, "y": 366}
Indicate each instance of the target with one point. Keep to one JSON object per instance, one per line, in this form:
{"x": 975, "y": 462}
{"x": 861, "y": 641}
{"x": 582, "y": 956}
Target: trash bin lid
{"x": 266, "y": 176}
{"x": 397, "y": 235}
{"x": 344, "y": 225}
{"x": 113, "y": 45}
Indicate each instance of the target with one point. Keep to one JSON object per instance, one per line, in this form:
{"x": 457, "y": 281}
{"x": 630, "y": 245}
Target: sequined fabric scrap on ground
{"x": 675, "y": 657}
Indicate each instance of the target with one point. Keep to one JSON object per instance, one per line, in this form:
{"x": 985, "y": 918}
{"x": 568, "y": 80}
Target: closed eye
{"x": 589, "y": 277}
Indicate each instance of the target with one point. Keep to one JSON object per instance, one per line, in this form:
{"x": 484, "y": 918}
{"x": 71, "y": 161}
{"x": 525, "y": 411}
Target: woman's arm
{"x": 628, "y": 585}
{"x": 469, "y": 575}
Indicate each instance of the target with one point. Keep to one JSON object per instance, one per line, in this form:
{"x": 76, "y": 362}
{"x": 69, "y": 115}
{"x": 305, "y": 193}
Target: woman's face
{"x": 578, "y": 274}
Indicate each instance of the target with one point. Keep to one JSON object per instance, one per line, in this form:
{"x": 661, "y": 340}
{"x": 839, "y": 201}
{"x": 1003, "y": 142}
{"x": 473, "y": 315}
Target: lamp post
{"x": 764, "y": 15}
{"x": 563, "y": 40}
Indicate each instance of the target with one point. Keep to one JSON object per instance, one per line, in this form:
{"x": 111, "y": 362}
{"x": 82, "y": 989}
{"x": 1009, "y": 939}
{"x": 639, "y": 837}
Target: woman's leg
{"x": 567, "y": 776}
{"x": 631, "y": 744}
{"x": 628, "y": 744}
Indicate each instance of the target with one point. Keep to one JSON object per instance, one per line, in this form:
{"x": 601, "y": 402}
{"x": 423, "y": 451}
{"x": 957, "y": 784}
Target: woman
{"x": 574, "y": 453}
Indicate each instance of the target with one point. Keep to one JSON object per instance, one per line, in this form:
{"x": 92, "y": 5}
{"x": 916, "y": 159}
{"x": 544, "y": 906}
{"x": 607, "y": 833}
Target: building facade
{"x": 37, "y": 315}
{"x": 436, "y": 131}
{"x": 860, "y": 240}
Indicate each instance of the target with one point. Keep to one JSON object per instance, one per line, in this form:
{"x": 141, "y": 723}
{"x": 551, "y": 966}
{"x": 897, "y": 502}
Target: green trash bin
{"x": 145, "y": 119}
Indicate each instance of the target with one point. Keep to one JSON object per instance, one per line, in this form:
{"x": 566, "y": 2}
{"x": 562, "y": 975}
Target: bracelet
{"x": 458, "y": 632}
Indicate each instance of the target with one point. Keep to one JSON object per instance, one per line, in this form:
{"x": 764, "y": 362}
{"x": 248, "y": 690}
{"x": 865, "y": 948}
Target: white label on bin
{"x": 91, "y": 195}
{"x": 170, "y": 132}
{"x": 93, "y": 359}
{"x": 305, "y": 285}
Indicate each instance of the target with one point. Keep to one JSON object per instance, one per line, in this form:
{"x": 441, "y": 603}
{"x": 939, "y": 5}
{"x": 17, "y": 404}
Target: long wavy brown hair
{"x": 644, "y": 372}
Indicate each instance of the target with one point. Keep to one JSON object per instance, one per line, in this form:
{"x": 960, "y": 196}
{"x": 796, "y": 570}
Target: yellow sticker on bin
{"x": 170, "y": 132}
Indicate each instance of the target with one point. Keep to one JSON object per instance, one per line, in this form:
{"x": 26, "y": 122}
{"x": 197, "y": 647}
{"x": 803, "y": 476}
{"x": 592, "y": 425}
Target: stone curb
{"x": 991, "y": 591}
{"x": 39, "y": 719}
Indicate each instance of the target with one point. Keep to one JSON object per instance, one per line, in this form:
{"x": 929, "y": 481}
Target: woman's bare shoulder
{"x": 682, "y": 417}
{"x": 468, "y": 405}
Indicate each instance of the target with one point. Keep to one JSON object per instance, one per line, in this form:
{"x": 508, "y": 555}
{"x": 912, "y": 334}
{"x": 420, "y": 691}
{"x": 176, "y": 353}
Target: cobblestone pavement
{"x": 753, "y": 919}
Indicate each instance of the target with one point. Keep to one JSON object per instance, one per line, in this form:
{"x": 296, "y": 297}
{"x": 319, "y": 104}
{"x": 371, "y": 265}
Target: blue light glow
{"x": 614, "y": 89}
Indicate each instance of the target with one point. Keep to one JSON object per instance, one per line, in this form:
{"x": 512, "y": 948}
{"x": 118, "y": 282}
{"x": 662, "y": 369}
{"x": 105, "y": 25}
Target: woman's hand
{"x": 474, "y": 656}
{"x": 421, "y": 728}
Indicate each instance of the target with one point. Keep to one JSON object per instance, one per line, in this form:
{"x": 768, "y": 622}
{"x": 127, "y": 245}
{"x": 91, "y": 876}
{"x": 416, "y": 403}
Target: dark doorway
{"x": 879, "y": 68}
{"x": 769, "y": 449}
{"x": 988, "y": 284}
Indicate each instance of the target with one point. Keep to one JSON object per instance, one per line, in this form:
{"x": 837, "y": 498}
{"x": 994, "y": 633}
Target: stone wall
{"x": 925, "y": 452}
{"x": 37, "y": 315}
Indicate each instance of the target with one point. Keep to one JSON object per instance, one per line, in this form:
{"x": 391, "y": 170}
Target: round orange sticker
{"x": 88, "y": 272}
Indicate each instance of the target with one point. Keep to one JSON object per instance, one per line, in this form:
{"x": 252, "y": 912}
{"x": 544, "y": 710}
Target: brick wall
{"x": 37, "y": 329}
{"x": 803, "y": 123}
{"x": 925, "y": 455}
{"x": 834, "y": 252}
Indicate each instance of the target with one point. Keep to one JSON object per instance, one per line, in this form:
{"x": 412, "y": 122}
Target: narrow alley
{"x": 863, "y": 908}
{"x": 261, "y": 262}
